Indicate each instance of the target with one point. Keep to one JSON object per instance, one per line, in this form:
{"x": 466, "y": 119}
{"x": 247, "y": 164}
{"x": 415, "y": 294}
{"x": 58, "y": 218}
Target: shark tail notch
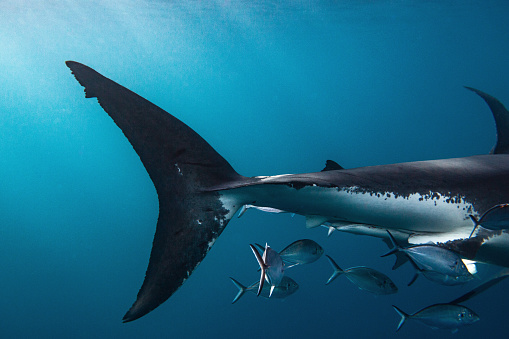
{"x": 182, "y": 167}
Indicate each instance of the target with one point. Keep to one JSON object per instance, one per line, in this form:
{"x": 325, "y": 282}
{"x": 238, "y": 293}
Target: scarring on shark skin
{"x": 199, "y": 192}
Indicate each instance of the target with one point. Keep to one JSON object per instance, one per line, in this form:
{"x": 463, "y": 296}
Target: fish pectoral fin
{"x": 242, "y": 210}
{"x": 271, "y": 290}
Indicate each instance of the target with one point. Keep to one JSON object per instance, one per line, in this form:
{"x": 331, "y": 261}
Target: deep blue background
{"x": 276, "y": 87}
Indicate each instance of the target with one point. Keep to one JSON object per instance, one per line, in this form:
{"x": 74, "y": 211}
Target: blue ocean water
{"x": 275, "y": 87}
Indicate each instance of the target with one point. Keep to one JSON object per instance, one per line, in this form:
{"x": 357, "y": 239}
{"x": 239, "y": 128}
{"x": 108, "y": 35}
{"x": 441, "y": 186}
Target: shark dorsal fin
{"x": 501, "y": 115}
{"x": 331, "y": 165}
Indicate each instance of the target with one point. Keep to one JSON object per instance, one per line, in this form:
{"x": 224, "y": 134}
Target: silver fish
{"x": 300, "y": 252}
{"x": 304, "y": 251}
{"x": 272, "y": 267}
{"x": 286, "y": 287}
{"x": 365, "y": 278}
{"x": 433, "y": 258}
{"x": 496, "y": 218}
{"x": 444, "y": 316}
{"x": 439, "y": 278}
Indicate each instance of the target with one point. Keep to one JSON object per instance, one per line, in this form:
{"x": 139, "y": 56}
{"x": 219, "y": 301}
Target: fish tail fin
{"x": 242, "y": 290}
{"x": 476, "y": 224}
{"x": 393, "y": 240}
{"x": 403, "y": 315}
{"x": 393, "y": 251}
{"x": 263, "y": 267}
{"x": 337, "y": 270}
{"x": 183, "y": 168}
{"x": 401, "y": 258}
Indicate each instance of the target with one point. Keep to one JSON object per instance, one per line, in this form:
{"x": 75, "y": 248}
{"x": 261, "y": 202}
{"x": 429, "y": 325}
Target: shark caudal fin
{"x": 182, "y": 166}
{"x": 501, "y": 115}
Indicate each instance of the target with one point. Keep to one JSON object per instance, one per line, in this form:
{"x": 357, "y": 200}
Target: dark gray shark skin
{"x": 199, "y": 192}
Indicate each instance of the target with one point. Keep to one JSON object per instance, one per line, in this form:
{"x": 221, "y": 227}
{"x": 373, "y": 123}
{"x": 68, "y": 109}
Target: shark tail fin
{"x": 183, "y": 168}
{"x": 403, "y": 315}
{"x": 242, "y": 290}
{"x": 337, "y": 270}
{"x": 263, "y": 267}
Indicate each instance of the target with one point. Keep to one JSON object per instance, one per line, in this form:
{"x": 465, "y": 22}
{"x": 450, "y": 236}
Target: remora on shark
{"x": 199, "y": 192}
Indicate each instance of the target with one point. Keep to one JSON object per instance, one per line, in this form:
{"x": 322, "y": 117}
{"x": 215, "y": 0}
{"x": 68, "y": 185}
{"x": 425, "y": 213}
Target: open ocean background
{"x": 275, "y": 87}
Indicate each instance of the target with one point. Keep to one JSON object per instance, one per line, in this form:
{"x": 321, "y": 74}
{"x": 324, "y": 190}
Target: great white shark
{"x": 199, "y": 192}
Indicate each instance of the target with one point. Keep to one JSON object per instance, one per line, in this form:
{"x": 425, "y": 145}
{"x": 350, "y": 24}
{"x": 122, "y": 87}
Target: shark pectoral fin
{"x": 313, "y": 221}
{"x": 182, "y": 166}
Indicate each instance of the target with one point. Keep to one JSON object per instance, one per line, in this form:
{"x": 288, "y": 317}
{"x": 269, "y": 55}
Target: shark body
{"x": 199, "y": 192}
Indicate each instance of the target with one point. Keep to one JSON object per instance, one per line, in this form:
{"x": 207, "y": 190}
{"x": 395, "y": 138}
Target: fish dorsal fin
{"x": 181, "y": 165}
{"x": 331, "y": 165}
{"x": 501, "y": 115}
